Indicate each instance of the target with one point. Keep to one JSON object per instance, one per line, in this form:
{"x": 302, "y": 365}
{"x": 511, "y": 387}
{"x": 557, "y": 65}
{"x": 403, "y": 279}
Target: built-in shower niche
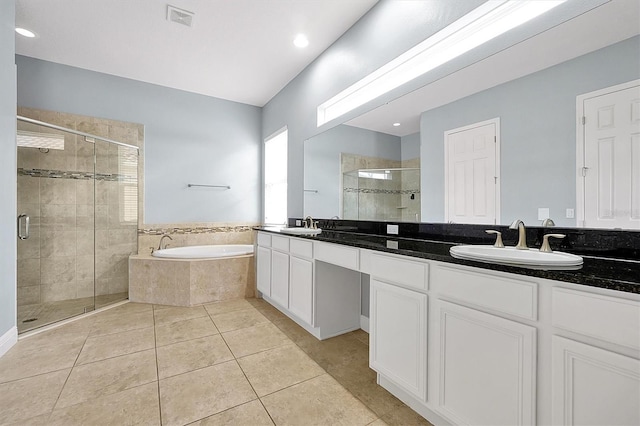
{"x": 380, "y": 189}
{"x": 81, "y": 196}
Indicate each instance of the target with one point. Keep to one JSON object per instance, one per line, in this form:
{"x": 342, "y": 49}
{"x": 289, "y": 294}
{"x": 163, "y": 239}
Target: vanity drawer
{"x": 264, "y": 240}
{"x": 301, "y": 248}
{"x": 400, "y": 271}
{"x": 487, "y": 290}
{"x": 611, "y": 319}
{"x": 280, "y": 243}
{"x": 346, "y": 257}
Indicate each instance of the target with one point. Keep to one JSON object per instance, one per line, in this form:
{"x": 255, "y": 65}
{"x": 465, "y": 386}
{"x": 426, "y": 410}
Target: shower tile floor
{"x": 37, "y": 315}
{"x": 240, "y": 362}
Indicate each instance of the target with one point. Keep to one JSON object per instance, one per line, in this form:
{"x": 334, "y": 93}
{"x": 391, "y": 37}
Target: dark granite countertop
{"x": 615, "y": 274}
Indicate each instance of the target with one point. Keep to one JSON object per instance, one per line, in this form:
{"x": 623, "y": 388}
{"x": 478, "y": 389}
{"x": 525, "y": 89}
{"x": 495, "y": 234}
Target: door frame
{"x": 581, "y": 141}
{"x": 496, "y": 123}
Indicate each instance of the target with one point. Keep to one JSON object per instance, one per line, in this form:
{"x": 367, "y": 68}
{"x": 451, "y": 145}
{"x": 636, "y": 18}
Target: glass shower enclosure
{"x": 381, "y": 194}
{"x": 77, "y": 221}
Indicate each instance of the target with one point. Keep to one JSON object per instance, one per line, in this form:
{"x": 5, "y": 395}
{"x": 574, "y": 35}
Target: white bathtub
{"x": 205, "y": 252}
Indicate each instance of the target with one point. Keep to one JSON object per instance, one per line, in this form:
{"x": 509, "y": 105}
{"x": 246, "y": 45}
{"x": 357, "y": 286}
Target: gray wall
{"x": 322, "y": 164}
{"x": 189, "y": 138}
{"x": 538, "y": 133}
{"x": 410, "y": 146}
{"x": 370, "y": 43}
{"x": 8, "y": 166}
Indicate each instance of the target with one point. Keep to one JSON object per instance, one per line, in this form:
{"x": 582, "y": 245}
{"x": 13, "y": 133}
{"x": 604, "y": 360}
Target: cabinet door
{"x": 593, "y": 386}
{"x": 301, "y": 288}
{"x": 263, "y": 273}
{"x": 280, "y": 278}
{"x": 398, "y": 348}
{"x": 486, "y": 366}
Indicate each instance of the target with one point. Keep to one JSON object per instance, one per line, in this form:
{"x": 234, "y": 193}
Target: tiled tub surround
{"x": 69, "y": 222}
{"x": 194, "y": 234}
{"x": 190, "y": 282}
{"x": 184, "y": 282}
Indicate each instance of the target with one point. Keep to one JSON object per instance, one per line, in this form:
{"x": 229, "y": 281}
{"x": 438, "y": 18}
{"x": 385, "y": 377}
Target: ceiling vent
{"x": 180, "y": 16}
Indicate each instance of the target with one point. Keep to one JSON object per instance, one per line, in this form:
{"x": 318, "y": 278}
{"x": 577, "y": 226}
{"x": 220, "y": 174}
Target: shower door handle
{"x": 23, "y": 219}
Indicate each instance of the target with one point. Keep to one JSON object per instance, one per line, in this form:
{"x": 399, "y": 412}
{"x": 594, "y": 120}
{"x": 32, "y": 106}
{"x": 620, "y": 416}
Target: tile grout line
{"x": 155, "y": 349}
{"x": 69, "y": 375}
{"x": 244, "y": 374}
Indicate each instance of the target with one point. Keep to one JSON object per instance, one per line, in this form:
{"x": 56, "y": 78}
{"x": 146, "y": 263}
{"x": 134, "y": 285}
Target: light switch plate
{"x": 570, "y": 213}
{"x": 298, "y": 222}
{"x": 543, "y": 213}
{"x": 392, "y": 229}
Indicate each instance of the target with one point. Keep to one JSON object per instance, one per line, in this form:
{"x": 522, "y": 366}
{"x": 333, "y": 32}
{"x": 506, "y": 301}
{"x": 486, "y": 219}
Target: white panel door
{"x": 592, "y": 386}
{"x": 263, "y": 273}
{"x": 471, "y": 174}
{"x": 612, "y": 160}
{"x": 398, "y": 325}
{"x": 487, "y": 367}
{"x": 280, "y": 278}
{"x": 301, "y": 288}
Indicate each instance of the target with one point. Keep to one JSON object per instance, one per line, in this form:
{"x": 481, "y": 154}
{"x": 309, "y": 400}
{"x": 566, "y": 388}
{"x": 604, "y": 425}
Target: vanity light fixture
{"x": 25, "y": 32}
{"x": 486, "y": 22}
{"x": 301, "y": 41}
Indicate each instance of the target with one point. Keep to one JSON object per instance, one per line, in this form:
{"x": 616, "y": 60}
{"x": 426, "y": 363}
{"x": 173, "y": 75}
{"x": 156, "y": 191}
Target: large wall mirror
{"x": 530, "y": 100}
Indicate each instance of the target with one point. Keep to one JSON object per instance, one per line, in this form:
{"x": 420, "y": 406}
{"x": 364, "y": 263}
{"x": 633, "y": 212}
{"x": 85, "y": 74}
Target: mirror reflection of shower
{"x": 77, "y": 221}
{"x": 381, "y": 194}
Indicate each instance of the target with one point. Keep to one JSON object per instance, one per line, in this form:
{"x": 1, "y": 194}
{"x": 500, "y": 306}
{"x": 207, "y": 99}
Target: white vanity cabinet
{"x": 398, "y": 320}
{"x": 467, "y": 345}
{"x": 485, "y": 363}
{"x": 398, "y": 344}
{"x": 486, "y": 367}
{"x": 595, "y": 365}
{"x": 263, "y": 263}
{"x": 301, "y": 279}
{"x": 285, "y": 273}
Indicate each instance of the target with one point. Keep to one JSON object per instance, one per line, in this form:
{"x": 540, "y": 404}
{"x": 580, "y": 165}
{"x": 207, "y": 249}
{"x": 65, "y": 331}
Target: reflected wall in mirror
{"x": 538, "y": 130}
{"x": 361, "y": 174}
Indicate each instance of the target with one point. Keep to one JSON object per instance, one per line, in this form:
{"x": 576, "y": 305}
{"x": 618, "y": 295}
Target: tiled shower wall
{"x": 57, "y": 261}
{"x": 373, "y": 199}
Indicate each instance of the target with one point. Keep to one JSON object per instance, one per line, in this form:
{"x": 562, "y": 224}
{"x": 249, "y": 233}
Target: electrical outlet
{"x": 570, "y": 214}
{"x": 298, "y": 222}
{"x": 392, "y": 244}
{"x": 392, "y": 229}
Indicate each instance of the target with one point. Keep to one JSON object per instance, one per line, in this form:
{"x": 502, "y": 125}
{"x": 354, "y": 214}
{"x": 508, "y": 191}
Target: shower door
{"x": 56, "y": 202}
{"x": 116, "y": 219}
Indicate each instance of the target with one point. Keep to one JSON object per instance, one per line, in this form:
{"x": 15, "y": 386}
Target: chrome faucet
{"x": 522, "y": 234}
{"x": 160, "y": 247}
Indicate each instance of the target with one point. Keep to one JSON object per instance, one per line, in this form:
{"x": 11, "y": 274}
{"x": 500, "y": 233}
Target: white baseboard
{"x": 364, "y": 323}
{"x": 8, "y": 339}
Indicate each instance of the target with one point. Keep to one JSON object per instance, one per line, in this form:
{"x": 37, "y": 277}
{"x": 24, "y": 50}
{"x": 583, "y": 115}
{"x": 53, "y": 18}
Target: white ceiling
{"x": 605, "y": 25}
{"x": 240, "y": 50}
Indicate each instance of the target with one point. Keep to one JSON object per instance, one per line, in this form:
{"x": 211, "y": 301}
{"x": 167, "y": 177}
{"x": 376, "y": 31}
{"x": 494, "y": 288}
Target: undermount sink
{"x": 531, "y": 258}
{"x": 301, "y": 231}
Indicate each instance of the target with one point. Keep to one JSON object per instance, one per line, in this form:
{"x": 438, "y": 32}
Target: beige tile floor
{"x": 38, "y": 315}
{"x": 240, "y": 362}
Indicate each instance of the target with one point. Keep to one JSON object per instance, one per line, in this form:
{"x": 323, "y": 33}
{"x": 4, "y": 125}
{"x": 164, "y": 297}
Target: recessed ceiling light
{"x": 25, "y": 32}
{"x": 301, "y": 41}
{"x": 396, "y": 124}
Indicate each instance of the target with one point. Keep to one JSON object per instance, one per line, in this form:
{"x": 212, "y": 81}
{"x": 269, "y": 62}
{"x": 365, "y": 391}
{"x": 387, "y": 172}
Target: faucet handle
{"x": 546, "y": 248}
{"x": 498, "y": 234}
